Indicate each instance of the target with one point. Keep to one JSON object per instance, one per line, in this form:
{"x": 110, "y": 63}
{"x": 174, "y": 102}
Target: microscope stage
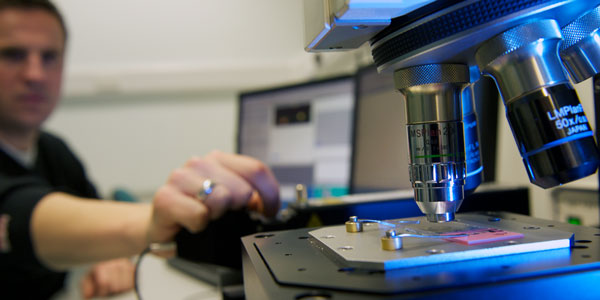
{"x": 311, "y": 261}
{"x": 487, "y": 237}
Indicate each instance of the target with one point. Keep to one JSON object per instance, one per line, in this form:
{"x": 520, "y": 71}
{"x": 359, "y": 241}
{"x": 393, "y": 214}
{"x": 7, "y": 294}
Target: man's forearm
{"x": 99, "y": 230}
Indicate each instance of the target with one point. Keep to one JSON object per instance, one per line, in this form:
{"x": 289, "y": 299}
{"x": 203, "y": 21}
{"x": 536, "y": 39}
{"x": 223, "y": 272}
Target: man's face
{"x": 31, "y": 64}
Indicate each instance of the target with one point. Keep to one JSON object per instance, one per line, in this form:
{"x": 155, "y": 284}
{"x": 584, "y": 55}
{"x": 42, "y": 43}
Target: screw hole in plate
{"x": 315, "y": 295}
{"x": 346, "y": 270}
{"x": 264, "y": 236}
{"x": 435, "y": 251}
{"x": 579, "y": 247}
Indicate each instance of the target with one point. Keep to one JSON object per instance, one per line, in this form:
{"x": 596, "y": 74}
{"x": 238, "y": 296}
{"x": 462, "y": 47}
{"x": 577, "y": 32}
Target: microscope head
{"x": 529, "y": 49}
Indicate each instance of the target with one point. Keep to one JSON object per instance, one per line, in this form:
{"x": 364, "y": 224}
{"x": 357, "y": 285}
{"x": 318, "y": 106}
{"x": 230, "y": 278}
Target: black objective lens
{"x": 474, "y": 169}
{"x": 472, "y": 153}
{"x": 547, "y": 120}
{"x": 553, "y": 135}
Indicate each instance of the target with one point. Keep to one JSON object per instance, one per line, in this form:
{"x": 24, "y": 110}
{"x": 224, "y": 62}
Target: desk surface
{"x": 157, "y": 280}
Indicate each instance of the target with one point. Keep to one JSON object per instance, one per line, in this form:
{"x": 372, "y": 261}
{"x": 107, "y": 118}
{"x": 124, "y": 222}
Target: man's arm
{"x": 67, "y": 230}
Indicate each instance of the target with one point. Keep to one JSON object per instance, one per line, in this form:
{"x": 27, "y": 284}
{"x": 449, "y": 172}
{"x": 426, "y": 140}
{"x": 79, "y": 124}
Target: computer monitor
{"x": 304, "y": 133}
{"x": 381, "y": 143}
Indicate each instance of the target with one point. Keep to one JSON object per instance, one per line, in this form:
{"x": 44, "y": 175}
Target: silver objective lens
{"x": 580, "y": 49}
{"x": 435, "y": 136}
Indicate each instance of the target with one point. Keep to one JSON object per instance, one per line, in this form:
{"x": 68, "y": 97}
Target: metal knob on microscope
{"x": 391, "y": 241}
{"x": 301, "y": 195}
{"x": 435, "y": 136}
{"x": 551, "y": 130}
{"x": 580, "y": 49}
{"x": 353, "y": 225}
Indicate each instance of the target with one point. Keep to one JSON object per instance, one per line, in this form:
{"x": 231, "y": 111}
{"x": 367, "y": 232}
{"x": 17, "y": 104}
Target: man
{"x": 47, "y": 222}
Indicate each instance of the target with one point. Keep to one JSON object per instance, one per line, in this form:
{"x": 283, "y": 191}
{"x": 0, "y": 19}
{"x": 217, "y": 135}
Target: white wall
{"x": 135, "y": 141}
{"x": 149, "y": 45}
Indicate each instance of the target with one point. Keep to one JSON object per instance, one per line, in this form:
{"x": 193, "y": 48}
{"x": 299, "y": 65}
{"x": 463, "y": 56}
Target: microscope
{"x": 437, "y": 51}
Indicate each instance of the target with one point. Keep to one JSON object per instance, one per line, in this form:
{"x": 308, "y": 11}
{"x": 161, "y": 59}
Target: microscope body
{"x": 436, "y": 50}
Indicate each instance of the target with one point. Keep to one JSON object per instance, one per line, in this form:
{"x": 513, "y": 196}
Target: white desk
{"x": 157, "y": 281}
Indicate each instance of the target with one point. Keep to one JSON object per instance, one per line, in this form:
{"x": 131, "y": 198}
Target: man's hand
{"x": 108, "y": 278}
{"x": 241, "y": 181}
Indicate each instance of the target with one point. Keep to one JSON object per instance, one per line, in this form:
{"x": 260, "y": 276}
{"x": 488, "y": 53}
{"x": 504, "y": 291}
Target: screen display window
{"x": 304, "y": 133}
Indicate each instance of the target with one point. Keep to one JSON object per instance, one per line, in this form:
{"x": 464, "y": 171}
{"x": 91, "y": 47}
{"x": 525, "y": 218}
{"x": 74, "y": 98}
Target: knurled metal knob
{"x": 431, "y": 74}
{"x": 353, "y": 225}
{"x": 391, "y": 241}
{"x": 580, "y": 49}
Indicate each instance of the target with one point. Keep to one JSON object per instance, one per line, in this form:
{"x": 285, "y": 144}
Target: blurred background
{"x": 150, "y": 83}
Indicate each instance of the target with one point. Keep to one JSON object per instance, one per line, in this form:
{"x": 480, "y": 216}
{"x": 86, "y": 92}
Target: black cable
{"x": 135, "y": 273}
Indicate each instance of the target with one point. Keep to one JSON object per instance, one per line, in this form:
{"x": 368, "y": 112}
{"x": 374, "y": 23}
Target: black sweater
{"x": 22, "y": 275}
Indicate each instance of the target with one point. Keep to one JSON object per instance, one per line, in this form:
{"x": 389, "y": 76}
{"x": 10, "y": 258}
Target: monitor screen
{"x": 381, "y": 143}
{"x": 303, "y": 133}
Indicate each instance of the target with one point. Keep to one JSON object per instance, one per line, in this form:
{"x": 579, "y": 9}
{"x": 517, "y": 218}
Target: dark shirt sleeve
{"x": 22, "y": 275}
{"x": 18, "y": 197}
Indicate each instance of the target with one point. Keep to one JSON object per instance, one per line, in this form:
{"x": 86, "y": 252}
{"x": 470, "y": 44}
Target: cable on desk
{"x": 153, "y": 247}
{"x": 136, "y": 271}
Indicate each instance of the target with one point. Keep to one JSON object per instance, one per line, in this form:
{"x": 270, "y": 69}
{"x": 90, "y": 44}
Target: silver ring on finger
{"x": 207, "y": 188}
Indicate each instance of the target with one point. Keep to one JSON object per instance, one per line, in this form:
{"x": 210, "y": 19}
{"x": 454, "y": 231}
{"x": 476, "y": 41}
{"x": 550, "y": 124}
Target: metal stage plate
{"x": 293, "y": 265}
{"x": 363, "y": 249}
